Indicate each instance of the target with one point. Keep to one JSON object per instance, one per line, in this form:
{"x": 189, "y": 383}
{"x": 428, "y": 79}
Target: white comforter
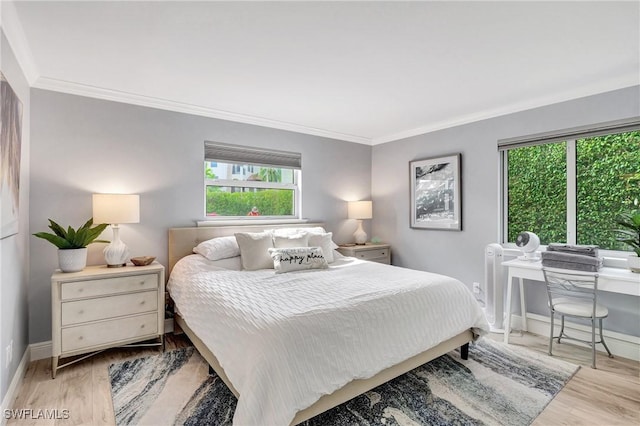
{"x": 284, "y": 340}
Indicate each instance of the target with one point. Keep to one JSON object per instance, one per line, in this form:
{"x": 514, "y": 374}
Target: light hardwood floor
{"x": 609, "y": 395}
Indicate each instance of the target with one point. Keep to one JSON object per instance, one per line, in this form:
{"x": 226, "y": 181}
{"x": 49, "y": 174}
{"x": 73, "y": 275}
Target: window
{"x": 570, "y": 187}
{"x": 251, "y": 182}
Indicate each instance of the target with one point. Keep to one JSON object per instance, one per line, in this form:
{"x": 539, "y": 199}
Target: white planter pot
{"x": 634, "y": 262}
{"x": 72, "y": 260}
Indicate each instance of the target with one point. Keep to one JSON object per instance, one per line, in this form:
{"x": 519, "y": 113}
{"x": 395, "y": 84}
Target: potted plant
{"x": 72, "y": 244}
{"x": 630, "y": 235}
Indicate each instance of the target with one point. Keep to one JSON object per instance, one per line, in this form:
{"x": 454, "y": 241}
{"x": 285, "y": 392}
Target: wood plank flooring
{"x": 609, "y": 395}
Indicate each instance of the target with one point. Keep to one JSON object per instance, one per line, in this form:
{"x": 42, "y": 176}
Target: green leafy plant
{"x": 71, "y": 238}
{"x": 630, "y": 232}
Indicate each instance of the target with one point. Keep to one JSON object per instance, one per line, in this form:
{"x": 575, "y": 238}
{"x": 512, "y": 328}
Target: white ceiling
{"x": 358, "y": 71}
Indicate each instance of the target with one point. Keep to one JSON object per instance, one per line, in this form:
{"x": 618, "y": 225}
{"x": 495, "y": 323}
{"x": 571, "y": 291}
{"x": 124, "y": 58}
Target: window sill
{"x": 248, "y": 221}
{"x": 612, "y": 258}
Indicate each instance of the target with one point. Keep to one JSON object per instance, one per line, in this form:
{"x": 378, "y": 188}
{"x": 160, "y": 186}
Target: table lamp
{"x": 360, "y": 210}
{"x": 115, "y": 209}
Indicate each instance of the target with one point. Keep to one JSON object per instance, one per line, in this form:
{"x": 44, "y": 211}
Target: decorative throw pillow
{"x": 296, "y": 240}
{"x": 218, "y": 248}
{"x": 318, "y": 230}
{"x": 297, "y": 259}
{"x": 323, "y": 241}
{"x": 254, "y": 250}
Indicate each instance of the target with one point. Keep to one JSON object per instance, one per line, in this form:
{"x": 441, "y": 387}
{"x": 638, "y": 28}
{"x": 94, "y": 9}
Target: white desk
{"x": 613, "y": 280}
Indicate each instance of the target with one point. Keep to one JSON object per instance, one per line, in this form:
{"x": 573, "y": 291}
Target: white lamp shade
{"x": 360, "y": 210}
{"x": 116, "y": 208}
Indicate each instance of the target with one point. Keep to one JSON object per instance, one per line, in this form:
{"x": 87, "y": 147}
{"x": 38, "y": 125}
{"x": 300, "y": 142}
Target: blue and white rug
{"x": 498, "y": 384}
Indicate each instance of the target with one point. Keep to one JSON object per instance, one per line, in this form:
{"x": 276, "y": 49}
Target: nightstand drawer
{"x": 371, "y": 254}
{"x": 106, "y": 286}
{"x": 99, "y": 308}
{"x": 102, "y": 333}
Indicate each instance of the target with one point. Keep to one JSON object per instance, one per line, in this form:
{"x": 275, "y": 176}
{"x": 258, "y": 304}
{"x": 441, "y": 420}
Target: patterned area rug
{"x": 498, "y": 384}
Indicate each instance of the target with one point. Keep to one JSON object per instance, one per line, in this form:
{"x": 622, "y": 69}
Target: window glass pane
{"x": 239, "y": 201}
{"x": 608, "y": 183}
{"x": 537, "y": 192}
{"x": 230, "y": 171}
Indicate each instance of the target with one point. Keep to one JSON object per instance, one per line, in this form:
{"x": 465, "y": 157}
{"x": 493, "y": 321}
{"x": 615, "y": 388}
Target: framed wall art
{"x": 10, "y": 143}
{"x": 436, "y": 196}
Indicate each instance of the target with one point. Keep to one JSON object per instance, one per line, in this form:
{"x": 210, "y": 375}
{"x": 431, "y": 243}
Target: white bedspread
{"x": 285, "y": 340}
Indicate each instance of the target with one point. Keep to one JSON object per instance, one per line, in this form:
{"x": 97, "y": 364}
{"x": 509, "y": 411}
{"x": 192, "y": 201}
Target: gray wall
{"x": 461, "y": 254}
{"x": 14, "y": 250}
{"x": 83, "y": 146}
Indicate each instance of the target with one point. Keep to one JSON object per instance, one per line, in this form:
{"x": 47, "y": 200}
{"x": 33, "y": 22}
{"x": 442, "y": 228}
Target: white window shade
{"x": 610, "y": 127}
{"x": 215, "y": 151}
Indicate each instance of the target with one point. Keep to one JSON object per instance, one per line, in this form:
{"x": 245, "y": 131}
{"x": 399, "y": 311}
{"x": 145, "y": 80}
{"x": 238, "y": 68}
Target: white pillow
{"x": 218, "y": 248}
{"x": 318, "y": 230}
{"x": 254, "y": 250}
{"x": 324, "y": 242}
{"x": 310, "y": 230}
{"x": 296, "y": 240}
{"x": 284, "y": 232}
{"x": 297, "y": 259}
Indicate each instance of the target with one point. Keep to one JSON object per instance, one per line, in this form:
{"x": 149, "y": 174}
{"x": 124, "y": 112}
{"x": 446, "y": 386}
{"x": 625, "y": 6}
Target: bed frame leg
{"x": 211, "y": 370}
{"x": 464, "y": 351}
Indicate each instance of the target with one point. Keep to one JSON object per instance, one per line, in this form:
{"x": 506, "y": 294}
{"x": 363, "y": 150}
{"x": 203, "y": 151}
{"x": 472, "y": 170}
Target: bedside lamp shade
{"x": 360, "y": 210}
{"x": 115, "y": 209}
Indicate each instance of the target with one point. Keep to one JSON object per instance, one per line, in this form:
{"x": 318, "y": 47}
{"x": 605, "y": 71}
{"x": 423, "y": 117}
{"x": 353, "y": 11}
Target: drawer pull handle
{"x": 80, "y": 338}
{"x": 142, "y": 326}
{"x": 80, "y": 312}
{"x": 141, "y": 282}
{"x": 80, "y": 290}
{"x": 142, "y": 303}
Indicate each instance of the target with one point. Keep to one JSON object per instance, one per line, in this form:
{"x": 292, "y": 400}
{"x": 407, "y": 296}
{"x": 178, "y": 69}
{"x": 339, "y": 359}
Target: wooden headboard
{"x": 183, "y": 240}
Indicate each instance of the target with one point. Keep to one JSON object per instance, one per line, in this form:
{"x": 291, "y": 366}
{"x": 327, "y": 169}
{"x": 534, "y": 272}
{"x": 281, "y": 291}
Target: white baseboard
{"x": 41, "y": 350}
{"x": 619, "y": 344}
{"x": 168, "y": 325}
{"x": 16, "y": 382}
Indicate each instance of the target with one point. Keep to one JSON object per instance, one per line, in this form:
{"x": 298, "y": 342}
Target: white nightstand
{"x": 99, "y": 308}
{"x": 379, "y": 252}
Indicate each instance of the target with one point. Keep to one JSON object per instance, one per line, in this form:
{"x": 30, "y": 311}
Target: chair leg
{"x": 551, "y": 335}
{"x": 593, "y": 343}
{"x": 602, "y": 340}
{"x": 561, "y": 328}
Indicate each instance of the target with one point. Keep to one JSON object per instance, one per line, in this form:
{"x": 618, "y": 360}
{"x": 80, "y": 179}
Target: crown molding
{"x": 12, "y": 29}
{"x": 164, "y": 104}
{"x": 629, "y": 80}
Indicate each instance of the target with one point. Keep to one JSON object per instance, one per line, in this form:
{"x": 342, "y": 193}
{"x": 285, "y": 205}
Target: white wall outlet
{"x": 476, "y": 288}
{"x": 7, "y": 356}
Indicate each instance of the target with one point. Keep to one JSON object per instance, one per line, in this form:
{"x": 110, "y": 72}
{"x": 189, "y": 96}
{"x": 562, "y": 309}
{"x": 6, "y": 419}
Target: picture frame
{"x": 436, "y": 193}
{"x": 10, "y": 156}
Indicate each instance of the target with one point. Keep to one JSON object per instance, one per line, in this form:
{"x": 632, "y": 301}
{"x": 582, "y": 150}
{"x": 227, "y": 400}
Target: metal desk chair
{"x": 574, "y": 294}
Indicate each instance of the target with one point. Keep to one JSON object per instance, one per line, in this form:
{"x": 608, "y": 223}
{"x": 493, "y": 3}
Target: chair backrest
{"x": 573, "y": 284}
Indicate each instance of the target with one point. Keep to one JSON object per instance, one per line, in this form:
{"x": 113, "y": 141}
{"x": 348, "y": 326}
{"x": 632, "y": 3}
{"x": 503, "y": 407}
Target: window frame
{"x": 570, "y": 137}
{"x": 295, "y": 186}
{"x": 252, "y": 156}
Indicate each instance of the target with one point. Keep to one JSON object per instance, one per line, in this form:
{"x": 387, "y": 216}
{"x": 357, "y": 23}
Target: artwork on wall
{"x": 10, "y": 144}
{"x": 436, "y": 193}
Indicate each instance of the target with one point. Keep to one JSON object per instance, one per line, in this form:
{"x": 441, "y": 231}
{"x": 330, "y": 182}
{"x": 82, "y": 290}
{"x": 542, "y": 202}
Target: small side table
{"x": 374, "y": 252}
{"x": 100, "y": 308}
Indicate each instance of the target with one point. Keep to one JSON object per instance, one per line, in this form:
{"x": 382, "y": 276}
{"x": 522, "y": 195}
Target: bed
{"x": 291, "y": 346}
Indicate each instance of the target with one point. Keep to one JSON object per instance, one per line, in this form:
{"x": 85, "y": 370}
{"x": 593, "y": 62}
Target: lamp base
{"x": 116, "y": 253}
{"x": 360, "y": 236}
